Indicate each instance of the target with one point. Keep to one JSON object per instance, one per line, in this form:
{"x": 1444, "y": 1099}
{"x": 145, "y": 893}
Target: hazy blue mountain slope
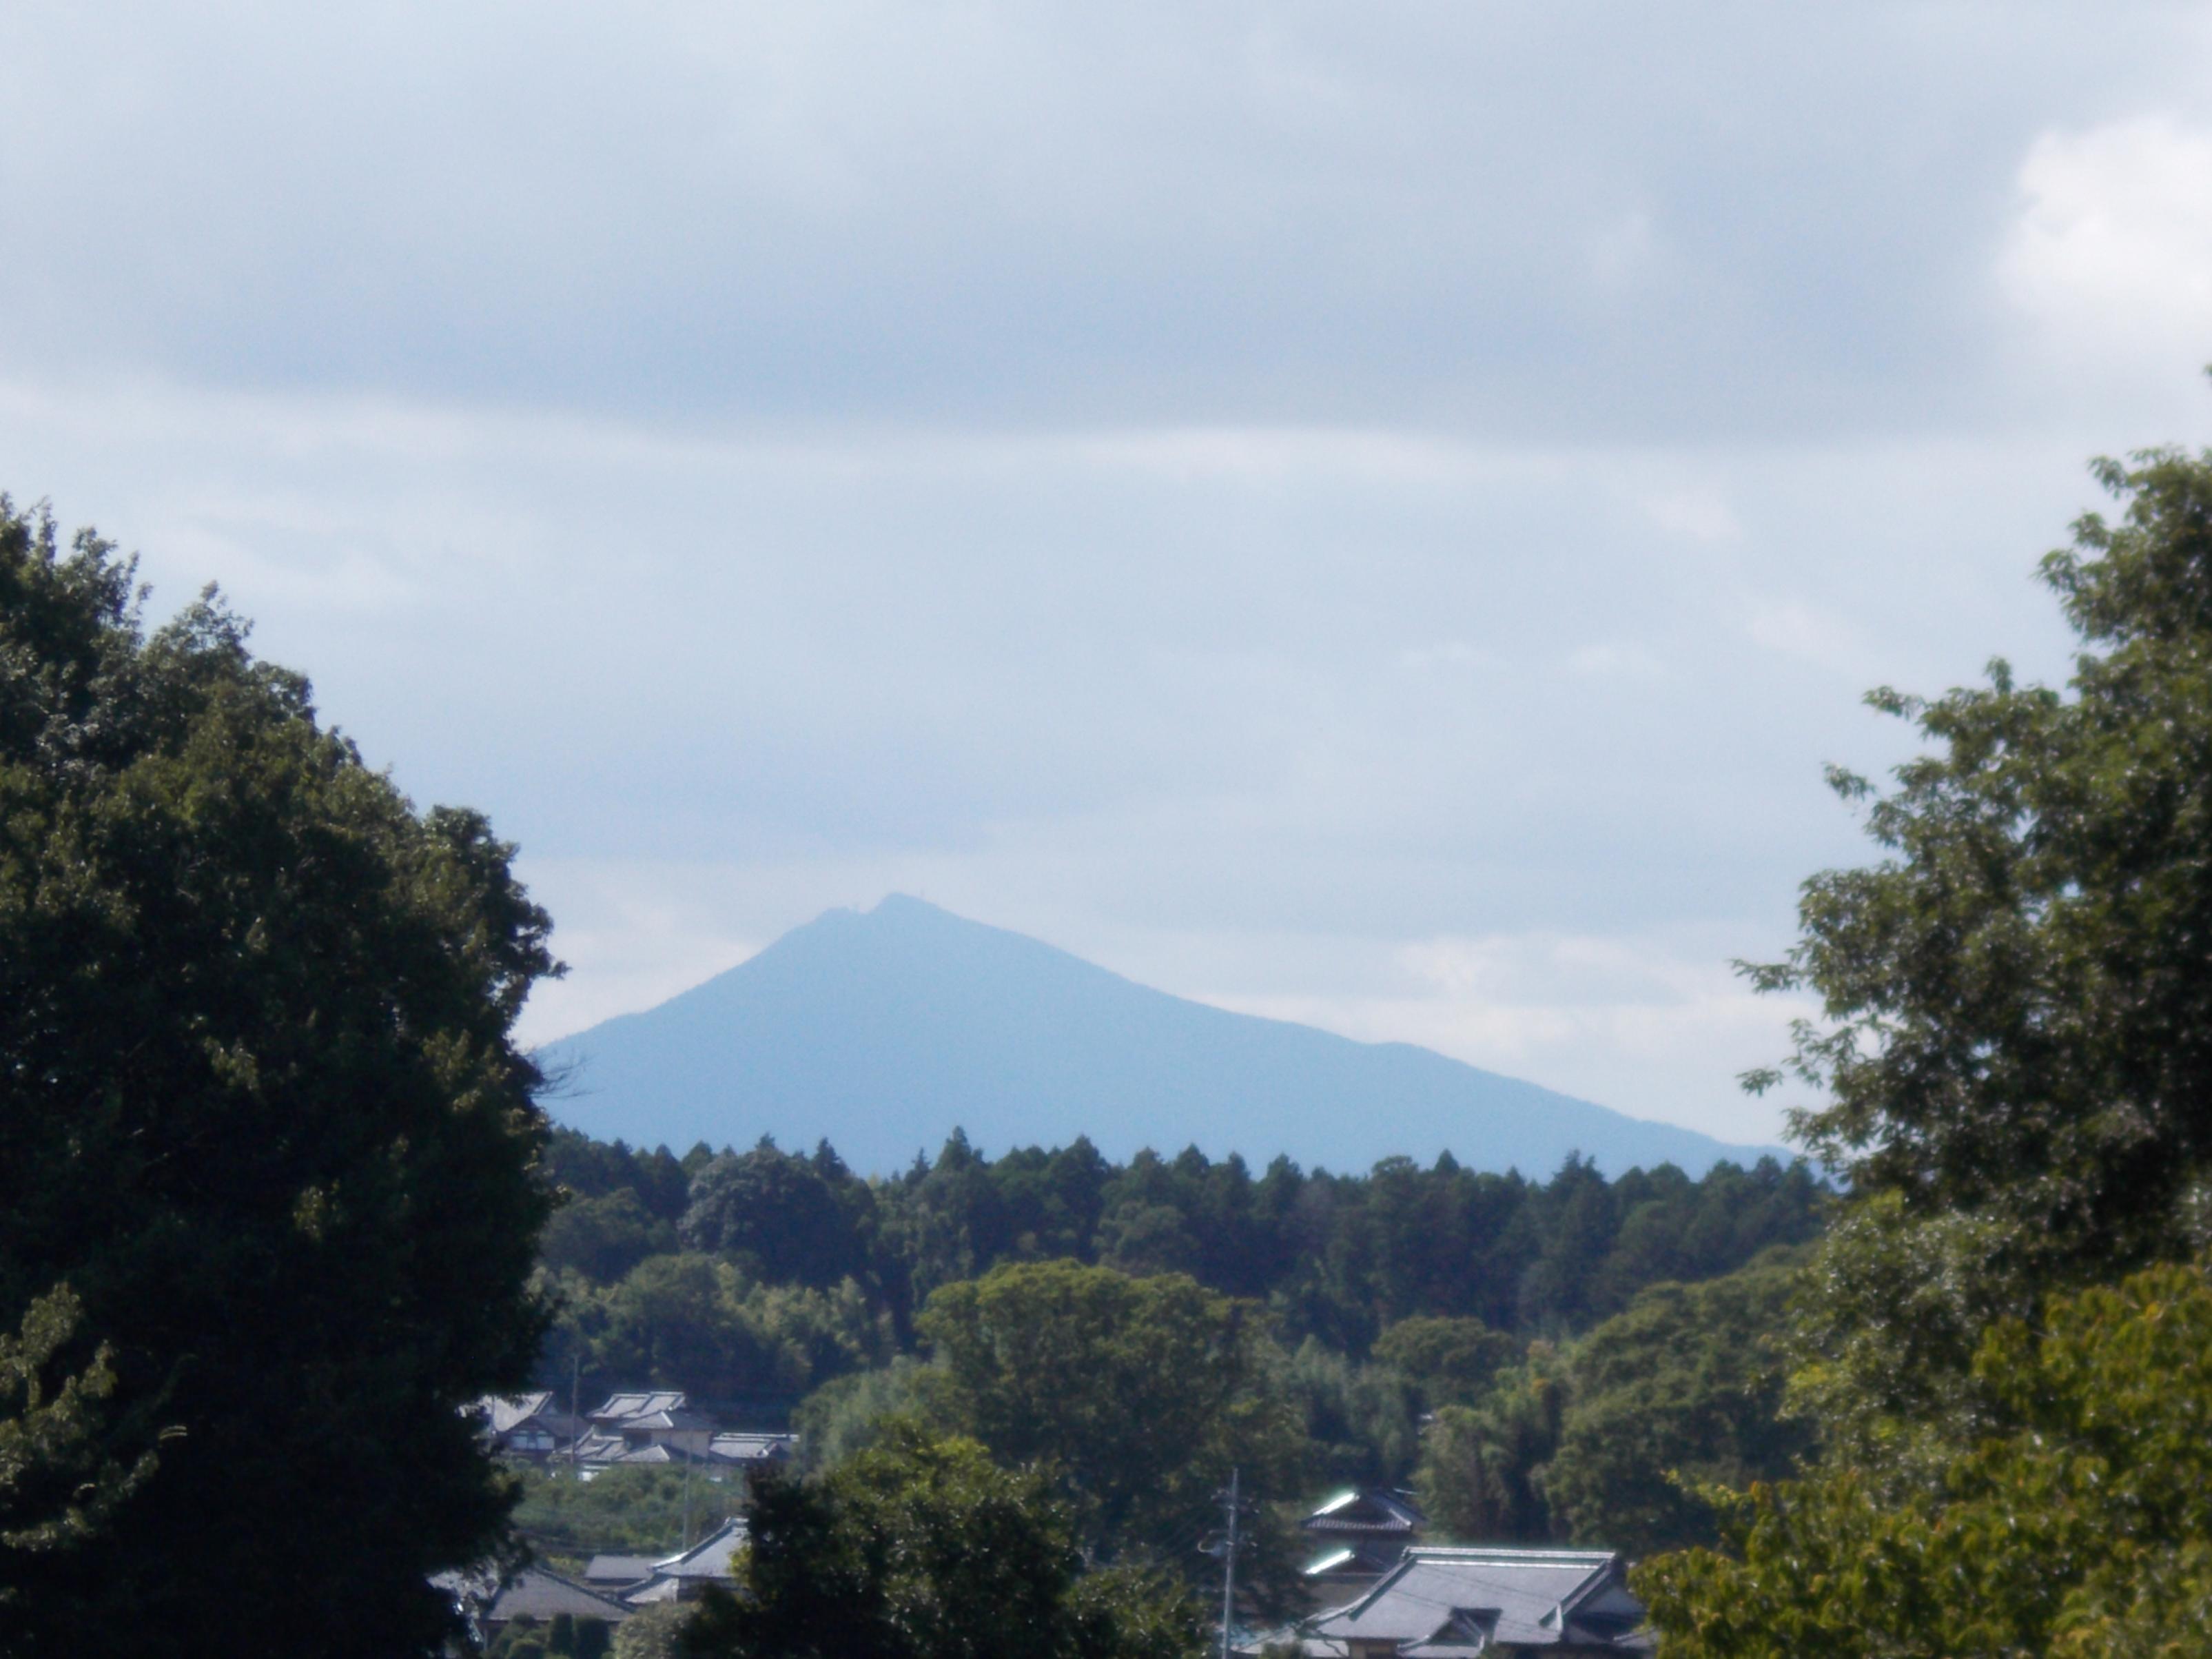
{"x": 884, "y": 1030}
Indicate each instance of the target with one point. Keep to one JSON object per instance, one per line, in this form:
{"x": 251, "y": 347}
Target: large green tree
{"x": 260, "y": 1110}
{"x": 2016, "y": 1048}
{"x": 59, "y": 1479}
{"x": 2018, "y": 996}
{"x": 1142, "y": 1394}
{"x": 920, "y": 1547}
{"x": 2084, "y": 1529}
{"x": 1681, "y": 1391}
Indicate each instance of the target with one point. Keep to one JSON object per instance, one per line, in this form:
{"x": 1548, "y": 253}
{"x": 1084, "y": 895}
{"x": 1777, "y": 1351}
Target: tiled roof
{"x": 710, "y": 1556}
{"x": 532, "y": 1593}
{"x": 604, "y": 1449}
{"x": 617, "y": 1569}
{"x": 750, "y": 1446}
{"x": 1440, "y": 1602}
{"x": 1370, "y": 1557}
{"x": 1366, "y": 1510}
{"x": 711, "y": 1560}
{"x": 640, "y": 1403}
{"x": 537, "y": 1594}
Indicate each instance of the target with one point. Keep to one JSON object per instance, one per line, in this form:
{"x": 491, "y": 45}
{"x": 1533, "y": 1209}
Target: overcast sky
{"x": 1372, "y": 513}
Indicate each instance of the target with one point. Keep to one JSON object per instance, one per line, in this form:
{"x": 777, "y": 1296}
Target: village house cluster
{"x": 643, "y": 1426}
{"x": 1375, "y": 1589}
{"x": 629, "y": 1428}
{"x": 1380, "y": 1592}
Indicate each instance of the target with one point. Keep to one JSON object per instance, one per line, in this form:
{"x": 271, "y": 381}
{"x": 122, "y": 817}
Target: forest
{"x": 1508, "y": 1343}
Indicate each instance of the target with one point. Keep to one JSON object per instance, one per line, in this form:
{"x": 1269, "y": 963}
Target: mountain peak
{"x": 886, "y": 1030}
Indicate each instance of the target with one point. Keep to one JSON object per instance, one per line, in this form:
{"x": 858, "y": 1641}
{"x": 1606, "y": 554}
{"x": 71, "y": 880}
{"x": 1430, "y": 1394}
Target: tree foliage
{"x": 922, "y": 1548}
{"x": 2083, "y": 1529}
{"x": 1142, "y": 1394}
{"x": 1481, "y": 1477}
{"x": 59, "y": 1479}
{"x": 708, "y": 1327}
{"x": 1339, "y": 1258}
{"x": 2018, "y": 996}
{"x": 260, "y": 1110}
{"x": 2018, "y": 1063}
{"x": 1682, "y": 1392}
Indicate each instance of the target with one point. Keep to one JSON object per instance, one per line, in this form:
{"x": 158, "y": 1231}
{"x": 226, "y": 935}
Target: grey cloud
{"x": 1526, "y": 219}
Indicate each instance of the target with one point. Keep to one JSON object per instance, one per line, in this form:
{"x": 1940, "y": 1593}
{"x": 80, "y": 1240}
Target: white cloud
{"x": 1623, "y": 251}
{"x": 1607, "y": 660}
{"x": 1656, "y": 1019}
{"x": 1702, "y": 514}
{"x": 2111, "y": 254}
{"x": 1791, "y": 627}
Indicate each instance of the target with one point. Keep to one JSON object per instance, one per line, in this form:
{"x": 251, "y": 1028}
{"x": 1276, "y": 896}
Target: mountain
{"x": 884, "y": 1030}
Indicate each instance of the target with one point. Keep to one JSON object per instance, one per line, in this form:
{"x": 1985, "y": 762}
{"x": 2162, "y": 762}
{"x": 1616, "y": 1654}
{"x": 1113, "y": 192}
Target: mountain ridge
{"x": 883, "y": 1030}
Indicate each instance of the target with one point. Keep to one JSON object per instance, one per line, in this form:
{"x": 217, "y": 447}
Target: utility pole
{"x": 575, "y": 1423}
{"x": 1229, "y": 1570}
{"x": 688, "y": 1461}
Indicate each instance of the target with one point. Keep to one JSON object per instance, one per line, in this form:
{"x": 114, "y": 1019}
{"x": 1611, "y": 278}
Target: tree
{"x": 775, "y": 1212}
{"x": 260, "y": 1108}
{"x": 2085, "y": 1530}
{"x": 1362, "y": 1422}
{"x": 1480, "y": 1475}
{"x": 923, "y": 1548}
{"x": 58, "y": 1482}
{"x": 2018, "y": 1061}
{"x": 1450, "y": 1361}
{"x": 2017, "y": 997}
{"x": 1682, "y": 1391}
{"x": 1142, "y": 1393}
{"x": 704, "y": 1326}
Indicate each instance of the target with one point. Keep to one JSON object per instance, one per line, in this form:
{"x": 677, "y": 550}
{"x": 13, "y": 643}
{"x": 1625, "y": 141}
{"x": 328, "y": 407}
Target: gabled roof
{"x": 535, "y": 1593}
{"x": 753, "y": 1446}
{"x": 532, "y": 1593}
{"x": 1357, "y": 1557}
{"x": 1366, "y": 1509}
{"x": 639, "y": 1403}
{"x": 1438, "y": 1602}
{"x": 503, "y": 1414}
{"x": 710, "y": 1557}
{"x": 677, "y": 1419}
{"x": 618, "y": 1569}
{"x": 599, "y": 1448}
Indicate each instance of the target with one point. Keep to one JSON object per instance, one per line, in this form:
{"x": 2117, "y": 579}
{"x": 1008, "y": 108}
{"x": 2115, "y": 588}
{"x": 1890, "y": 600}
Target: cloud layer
{"x": 1375, "y": 516}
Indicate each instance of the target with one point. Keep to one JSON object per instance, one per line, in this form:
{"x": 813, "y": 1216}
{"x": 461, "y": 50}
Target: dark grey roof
{"x": 532, "y": 1593}
{"x": 710, "y": 1556}
{"x": 1355, "y": 1557}
{"x": 605, "y": 1449}
{"x": 753, "y": 1446}
{"x": 671, "y": 1417}
{"x": 1366, "y": 1510}
{"x": 711, "y": 1560}
{"x": 618, "y": 1569}
{"x": 642, "y": 1402}
{"x": 501, "y": 1414}
{"x": 535, "y": 1593}
{"x": 1441, "y": 1602}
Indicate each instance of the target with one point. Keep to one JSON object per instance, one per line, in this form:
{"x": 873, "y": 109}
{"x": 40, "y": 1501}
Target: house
{"x": 751, "y": 1449}
{"x": 526, "y": 1424}
{"x": 679, "y": 1578}
{"x": 649, "y": 1426}
{"x": 1455, "y": 1603}
{"x": 610, "y": 1575}
{"x": 534, "y": 1595}
{"x": 1356, "y": 1537}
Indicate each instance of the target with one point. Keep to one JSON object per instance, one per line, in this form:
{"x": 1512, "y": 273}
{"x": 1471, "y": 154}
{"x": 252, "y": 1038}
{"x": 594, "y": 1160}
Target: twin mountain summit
{"x": 883, "y": 1031}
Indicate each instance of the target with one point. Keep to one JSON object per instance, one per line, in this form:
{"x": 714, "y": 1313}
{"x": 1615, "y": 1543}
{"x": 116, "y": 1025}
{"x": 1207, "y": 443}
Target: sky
{"x": 1376, "y": 515}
